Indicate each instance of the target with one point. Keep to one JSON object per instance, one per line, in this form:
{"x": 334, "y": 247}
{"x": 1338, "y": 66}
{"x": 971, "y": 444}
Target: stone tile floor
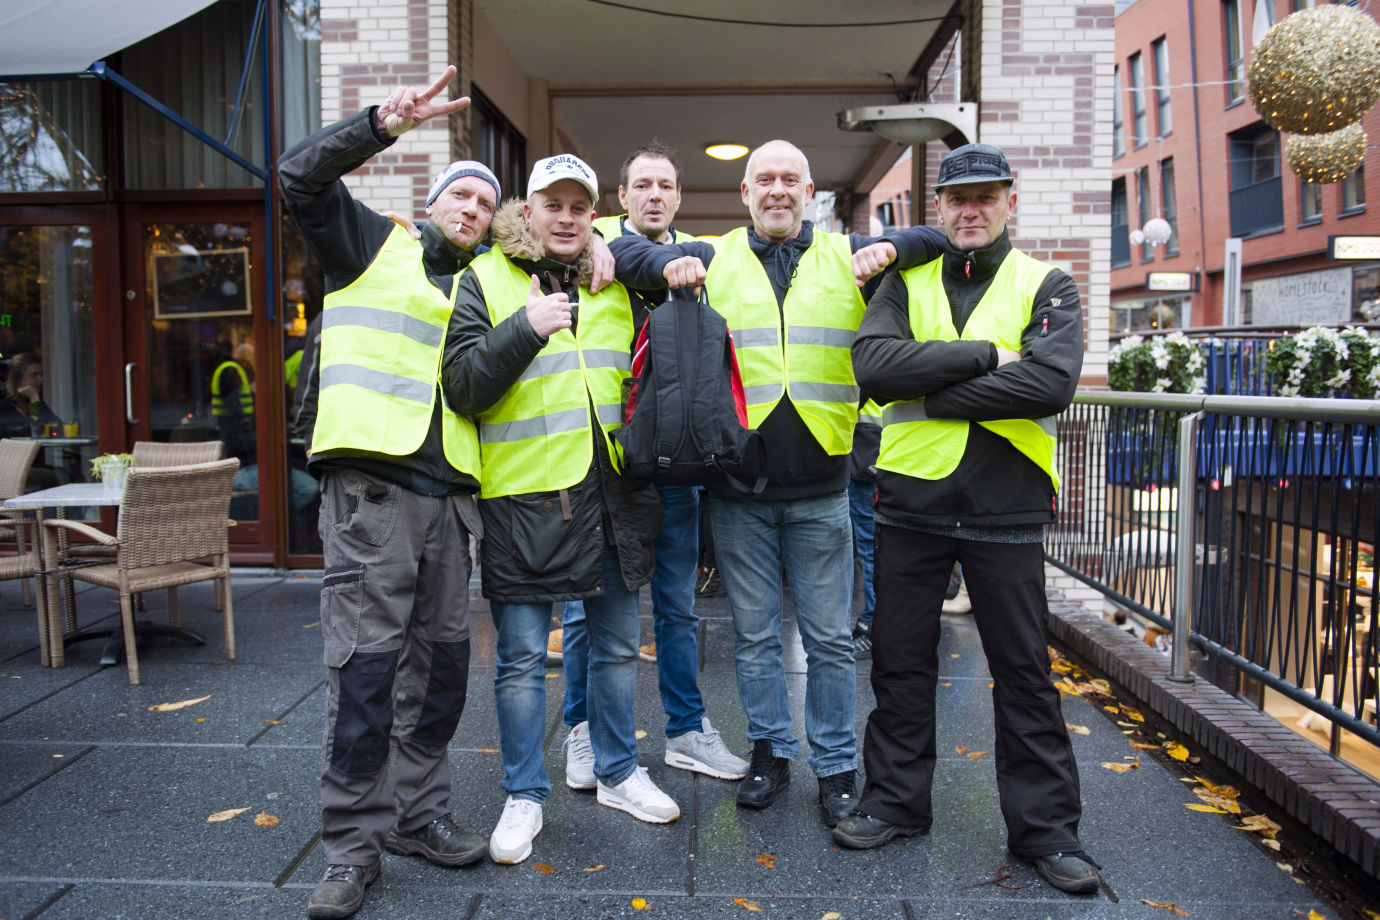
{"x": 103, "y": 803}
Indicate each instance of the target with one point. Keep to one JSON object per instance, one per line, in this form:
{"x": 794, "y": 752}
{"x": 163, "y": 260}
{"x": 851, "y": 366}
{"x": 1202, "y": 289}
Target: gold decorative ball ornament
{"x": 1324, "y": 158}
{"x": 1317, "y": 70}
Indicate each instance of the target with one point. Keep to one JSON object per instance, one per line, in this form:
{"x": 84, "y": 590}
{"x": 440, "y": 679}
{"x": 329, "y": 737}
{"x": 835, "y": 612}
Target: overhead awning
{"x": 49, "y": 37}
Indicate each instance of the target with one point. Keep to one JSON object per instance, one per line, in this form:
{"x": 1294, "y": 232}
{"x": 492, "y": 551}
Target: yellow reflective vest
{"x": 243, "y": 394}
{"x": 820, "y": 314}
{"x": 539, "y": 436}
{"x": 381, "y": 344}
{"x": 914, "y": 444}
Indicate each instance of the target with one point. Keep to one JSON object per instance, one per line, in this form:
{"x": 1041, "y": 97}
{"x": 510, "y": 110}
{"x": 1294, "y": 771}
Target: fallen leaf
{"x": 1143, "y": 746}
{"x": 1198, "y": 806}
{"x": 990, "y": 685}
{"x": 487, "y": 750}
{"x": 961, "y": 749}
{"x": 946, "y": 684}
{"x": 976, "y": 755}
{"x": 264, "y": 819}
{"x": 1270, "y": 843}
{"x": 1224, "y": 802}
{"x": 169, "y": 707}
{"x": 832, "y": 915}
{"x": 1177, "y": 751}
{"x": 201, "y": 718}
{"x": 745, "y": 904}
{"x": 543, "y": 868}
{"x": 599, "y": 868}
{"x": 552, "y": 675}
{"x": 272, "y": 721}
{"x": 1230, "y": 792}
{"x": 1063, "y": 667}
{"x": 1112, "y": 709}
{"x": 1077, "y": 729}
{"x": 225, "y": 815}
{"x": 1285, "y": 867}
{"x": 1126, "y": 725}
{"x": 1120, "y": 767}
{"x": 310, "y": 625}
{"x": 767, "y": 860}
{"x": 639, "y": 734}
{"x": 639, "y": 904}
{"x": 1164, "y": 905}
{"x": 59, "y": 755}
{"x": 1314, "y": 915}
{"x": 1132, "y": 714}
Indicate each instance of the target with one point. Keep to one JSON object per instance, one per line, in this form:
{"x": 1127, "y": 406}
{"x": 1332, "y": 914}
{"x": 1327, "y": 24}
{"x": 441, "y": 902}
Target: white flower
{"x": 1161, "y": 385}
{"x": 1338, "y": 380}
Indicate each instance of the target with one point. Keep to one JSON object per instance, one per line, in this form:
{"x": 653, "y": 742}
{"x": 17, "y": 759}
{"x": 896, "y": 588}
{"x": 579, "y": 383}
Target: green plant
{"x": 1321, "y": 362}
{"x": 97, "y": 461}
{"x": 1162, "y": 364}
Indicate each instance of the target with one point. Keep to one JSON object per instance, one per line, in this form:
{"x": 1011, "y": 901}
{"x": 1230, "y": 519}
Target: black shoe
{"x": 1069, "y": 872}
{"x": 955, "y": 583}
{"x": 838, "y": 796}
{"x": 860, "y": 831}
{"x": 862, "y": 639}
{"x": 767, "y": 776}
{"x": 442, "y": 842}
{"x": 341, "y": 891}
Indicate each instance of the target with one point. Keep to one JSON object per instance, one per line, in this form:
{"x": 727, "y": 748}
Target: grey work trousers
{"x": 395, "y": 623}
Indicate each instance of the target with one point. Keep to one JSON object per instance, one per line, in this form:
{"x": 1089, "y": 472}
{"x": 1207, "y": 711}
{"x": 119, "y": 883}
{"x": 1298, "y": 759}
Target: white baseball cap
{"x": 551, "y": 170}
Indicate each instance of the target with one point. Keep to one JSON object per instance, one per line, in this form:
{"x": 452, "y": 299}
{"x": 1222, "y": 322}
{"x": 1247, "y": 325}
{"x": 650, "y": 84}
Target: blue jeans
{"x": 811, "y": 539}
{"x": 520, "y": 685}
{"x": 673, "y": 619}
{"x": 860, "y": 510}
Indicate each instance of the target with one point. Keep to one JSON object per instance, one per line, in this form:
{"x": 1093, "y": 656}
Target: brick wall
{"x": 1046, "y": 101}
{"x": 367, "y": 48}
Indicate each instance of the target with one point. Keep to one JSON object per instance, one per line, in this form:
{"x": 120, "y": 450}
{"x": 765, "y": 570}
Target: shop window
{"x": 1354, "y": 191}
{"x": 497, "y": 143}
{"x": 1138, "y": 129}
{"x": 50, "y": 135}
{"x": 300, "y": 54}
{"x": 1163, "y": 115}
{"x": 1149, "y": 315}
{"x": 1365, "y": 295}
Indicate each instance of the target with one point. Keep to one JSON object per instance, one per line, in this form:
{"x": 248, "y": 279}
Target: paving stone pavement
{"x": 103, "y": 803}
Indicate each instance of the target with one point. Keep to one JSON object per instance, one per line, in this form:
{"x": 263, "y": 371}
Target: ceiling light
{"x": 726, "y": 151}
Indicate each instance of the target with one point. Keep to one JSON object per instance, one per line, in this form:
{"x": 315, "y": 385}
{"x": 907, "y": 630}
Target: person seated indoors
{"x": 24, "y": 414}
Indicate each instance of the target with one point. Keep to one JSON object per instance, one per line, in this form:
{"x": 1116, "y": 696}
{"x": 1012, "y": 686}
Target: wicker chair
{"x": 171, "y": 518}
{"x": 16, "y": 457}
{"x": 168, "y": 453}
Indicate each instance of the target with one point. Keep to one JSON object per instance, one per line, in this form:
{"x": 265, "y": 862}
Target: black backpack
{"x": 684, "y": 412}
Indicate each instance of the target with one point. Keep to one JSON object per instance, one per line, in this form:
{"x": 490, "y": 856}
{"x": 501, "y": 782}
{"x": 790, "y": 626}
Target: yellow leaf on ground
{"x": 264, "y": 819}
{"x": 832, "y": 915}
{"x": 745, "y": 904}
{"x": 310, "y": 625}
{"x": 639, "y": 904}
{"x": 1142, "y": 746}
{"x": 990, "y": 685}
{"x": 272, "y": 721}
{"x": 767, "y": 860}
{"x": 1068, "y": 687}
{"x": 1125, "y": 725}
{"x": 1132, "y": 714}
{"x": 1271, "y": 843}
{"x": 552, "y": 675}
{"x": 543, "y": 868}
{"x": 639, "y": 734}
{"x": 1285, "y": 867}
{"x": 487, "y": 750}
{"x": 201, "y": 718}
{"x": 1176, "y": 750}
{"x": 1077, "y": 729}
{"x": 961, "y": 749}
{"x": 1120, "y": 767}
{"x": 1226, "y": 803}
{"x": 1165, "y": 905}
{"x": 1112, "y": 709}
{"x": 1314, "y": 915}
{"x": 599, "y": 868}
{"x": 1198, "y": 806}
{"x": 976, "y": 755}
{"x": 953, "y": 655}
{"x": 183, "y": 704}
{"x": 225, "y": 815}
{"x": 1230, "y": 792}
{"x": 1260, "y": 824}
{"x": 946, "y": 684}
{"x": 1063, "y": 667}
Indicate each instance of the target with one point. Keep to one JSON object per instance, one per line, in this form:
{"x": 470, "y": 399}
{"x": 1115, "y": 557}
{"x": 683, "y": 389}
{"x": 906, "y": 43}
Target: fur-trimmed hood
{"x": 514, "y": 239}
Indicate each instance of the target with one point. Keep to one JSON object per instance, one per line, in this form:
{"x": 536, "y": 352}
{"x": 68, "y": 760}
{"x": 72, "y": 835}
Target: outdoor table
{"x": 75, "y": 495}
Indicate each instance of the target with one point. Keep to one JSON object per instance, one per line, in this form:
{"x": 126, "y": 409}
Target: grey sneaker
{"x": 341, "y": 891}
{"x": 705, "y": 752}
{"x": 579, "y": 758}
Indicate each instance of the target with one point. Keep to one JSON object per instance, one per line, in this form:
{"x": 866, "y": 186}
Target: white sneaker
{"x": 639, "y": 797}
{"x": 511, "y": 841}
{"x": 705, "y": 752}
{"x": 579, "y": 758}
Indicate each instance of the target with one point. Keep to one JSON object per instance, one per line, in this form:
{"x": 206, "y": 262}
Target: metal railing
{"x": 1258, "y": 551}
{"x": 1257, "y": 207}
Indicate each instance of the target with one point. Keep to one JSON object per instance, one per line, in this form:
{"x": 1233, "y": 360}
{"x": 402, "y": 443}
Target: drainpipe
{"x": 1197, "y": 141}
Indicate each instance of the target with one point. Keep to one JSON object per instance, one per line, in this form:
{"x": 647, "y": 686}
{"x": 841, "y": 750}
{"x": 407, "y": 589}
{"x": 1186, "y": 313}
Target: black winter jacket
{"x": 345, "y": 236}
{"x": 994, "y": 485}
{"x": 541, "y": 546}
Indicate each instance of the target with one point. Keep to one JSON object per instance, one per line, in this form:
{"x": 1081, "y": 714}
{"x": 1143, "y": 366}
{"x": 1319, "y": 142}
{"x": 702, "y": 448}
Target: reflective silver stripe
{"x": 824, "y": 392}
{"x": 385, "y": 321}
{"x": 549, "y": 365}
{"x": 819, "y": 335}
{"x": 898, "y": 412}
{"x": 755, "y": 338}
{"x": 377, "y": 382}
{"x": 763, "y": 392}
{"x": 610, "y": 414}
{"x": 869, "y": 418}
{"x": 608, "y": 357}
{"x": 541, "y": 426}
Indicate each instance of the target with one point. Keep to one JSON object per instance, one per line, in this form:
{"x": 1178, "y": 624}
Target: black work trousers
{"x": 1037, "y": 778}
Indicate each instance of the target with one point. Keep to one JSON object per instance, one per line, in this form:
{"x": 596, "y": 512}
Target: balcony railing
{"x": 1257, "y": 208}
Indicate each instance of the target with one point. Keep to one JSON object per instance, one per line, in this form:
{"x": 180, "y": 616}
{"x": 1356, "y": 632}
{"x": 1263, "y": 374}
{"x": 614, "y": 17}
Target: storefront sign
{"x": 1171, "y": 281}
{"x": 1353, "y": 247}
{"x": 1306, "y": 299}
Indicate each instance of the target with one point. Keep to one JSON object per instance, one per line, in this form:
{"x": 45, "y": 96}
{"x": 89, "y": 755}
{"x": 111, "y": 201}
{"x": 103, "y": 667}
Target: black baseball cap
{"x": 973, "y": 163}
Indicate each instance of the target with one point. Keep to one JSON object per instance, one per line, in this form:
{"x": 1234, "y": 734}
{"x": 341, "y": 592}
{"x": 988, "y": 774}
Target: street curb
{"x": 1333, "y": 799}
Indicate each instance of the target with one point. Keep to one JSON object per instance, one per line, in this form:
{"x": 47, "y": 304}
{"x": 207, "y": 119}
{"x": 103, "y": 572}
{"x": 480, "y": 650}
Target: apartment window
{"x": 497, "y": 143}
{"x": 1121, "y": 245}
{"x": 1147, "y": 252}
{"x": 1138, "y": 100}
{"x": 1236, "y": 65}
{"x": 1169, "y": 207}
{"x": 1118, "y": 141}
{"x": 1166, "y": 120}
{"x": 1310, "y": 202}
{"x": 1354, "y": 191}
{"x": 1256, "y": 199}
